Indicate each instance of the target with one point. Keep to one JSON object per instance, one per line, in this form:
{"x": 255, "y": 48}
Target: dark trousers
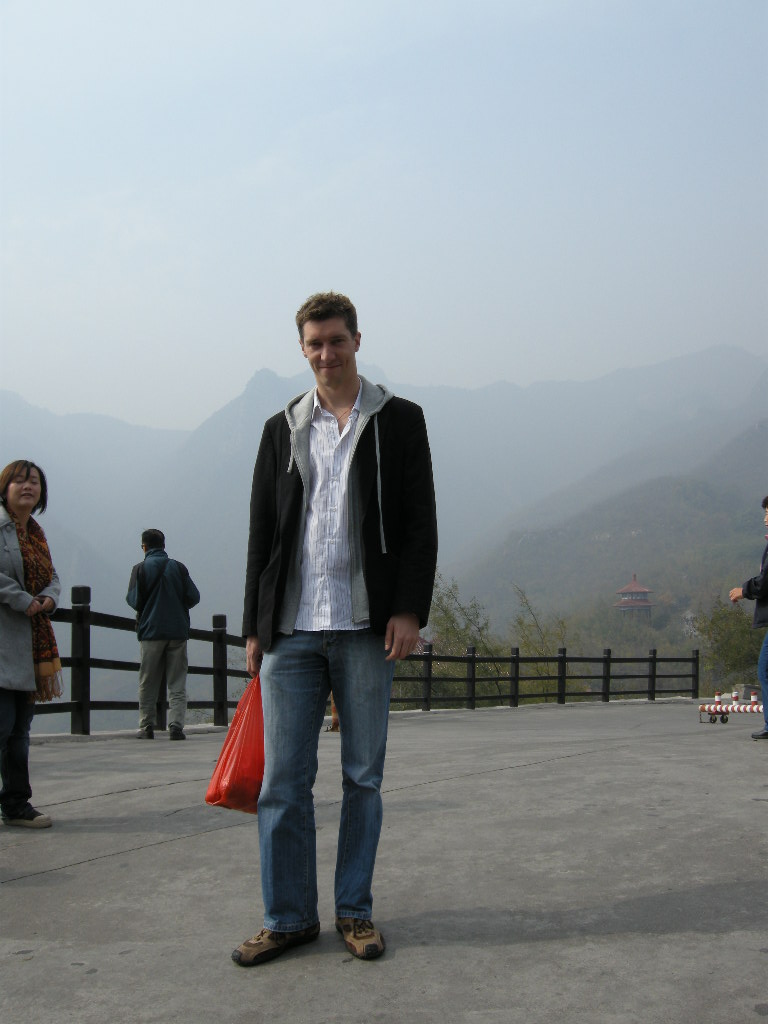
{"x": 16, "y": 712}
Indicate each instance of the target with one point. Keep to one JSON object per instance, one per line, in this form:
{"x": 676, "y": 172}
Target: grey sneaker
{"x": 147, "y": 733}
{"x": 28, "y": 818}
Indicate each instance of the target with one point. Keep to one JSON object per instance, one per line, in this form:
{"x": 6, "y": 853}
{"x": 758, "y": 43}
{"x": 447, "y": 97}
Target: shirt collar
{"x": 317, "y": 409}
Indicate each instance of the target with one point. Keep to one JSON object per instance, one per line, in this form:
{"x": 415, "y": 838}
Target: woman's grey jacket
{"x": 17, "y": 671}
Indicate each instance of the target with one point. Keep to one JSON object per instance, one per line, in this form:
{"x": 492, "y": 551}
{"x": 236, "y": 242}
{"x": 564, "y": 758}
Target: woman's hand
{"x": 39, "y": 607}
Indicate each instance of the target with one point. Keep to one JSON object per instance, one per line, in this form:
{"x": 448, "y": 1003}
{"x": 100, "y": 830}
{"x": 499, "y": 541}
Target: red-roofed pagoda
{"x": 634, "y": 598}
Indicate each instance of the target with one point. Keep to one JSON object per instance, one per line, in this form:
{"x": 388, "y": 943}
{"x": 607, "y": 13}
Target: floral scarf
{"x": 38, "y": 573}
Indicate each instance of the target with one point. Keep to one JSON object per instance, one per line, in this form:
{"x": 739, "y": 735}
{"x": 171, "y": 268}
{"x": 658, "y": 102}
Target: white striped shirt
{"x": 326, "y": 588}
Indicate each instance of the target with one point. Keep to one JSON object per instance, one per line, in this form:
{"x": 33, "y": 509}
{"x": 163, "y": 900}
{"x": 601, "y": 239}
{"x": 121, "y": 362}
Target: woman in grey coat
{"x": 30, "y": 668}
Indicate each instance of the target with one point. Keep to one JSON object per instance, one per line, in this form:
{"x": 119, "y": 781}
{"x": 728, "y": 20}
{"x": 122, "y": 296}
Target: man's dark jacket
{"x": 162, "y": 593}
{"x": 390, "y": 484}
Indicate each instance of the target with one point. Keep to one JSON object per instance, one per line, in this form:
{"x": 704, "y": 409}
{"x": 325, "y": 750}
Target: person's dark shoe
{"x": 268, "y": 944}
{"x": 28, "y": 818}
{"x": 760, "y": 735}
{"x": 147, "y": 733}
{"x": 175, "y": 733}
{"x": 361, "y": 938}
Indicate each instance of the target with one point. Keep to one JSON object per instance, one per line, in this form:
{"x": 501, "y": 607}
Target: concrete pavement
{"x": 586, "y": 863}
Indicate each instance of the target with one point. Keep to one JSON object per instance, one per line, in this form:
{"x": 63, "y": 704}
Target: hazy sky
{"x": 507, "y": 189}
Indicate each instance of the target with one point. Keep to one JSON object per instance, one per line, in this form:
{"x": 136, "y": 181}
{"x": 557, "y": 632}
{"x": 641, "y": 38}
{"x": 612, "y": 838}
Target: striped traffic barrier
{"x": 722, "y": 709}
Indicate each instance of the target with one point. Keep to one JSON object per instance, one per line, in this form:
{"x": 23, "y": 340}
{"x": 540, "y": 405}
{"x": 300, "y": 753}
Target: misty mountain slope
{"x": 496, "y": 451}
{"x": 98, "y": 469}
{"x": 685, "y": 537}
{"x": 490, "y": 454}
{"x": 672, "y": 454}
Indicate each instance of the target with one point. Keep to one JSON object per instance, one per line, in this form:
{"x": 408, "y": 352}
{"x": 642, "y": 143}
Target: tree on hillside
{"x": 731, "y": 646}
{"x": 456, "y": 625}
{"x": 537, "y": 636}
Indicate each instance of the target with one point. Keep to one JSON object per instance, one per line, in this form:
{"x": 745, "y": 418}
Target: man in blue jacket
{"x": 342, "y": 553}
{"x": 756, "y": 589}
{"x": 162, "y": 593}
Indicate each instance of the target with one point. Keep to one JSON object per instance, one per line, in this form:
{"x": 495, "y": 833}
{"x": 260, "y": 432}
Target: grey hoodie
{"x": 298, "y": 414}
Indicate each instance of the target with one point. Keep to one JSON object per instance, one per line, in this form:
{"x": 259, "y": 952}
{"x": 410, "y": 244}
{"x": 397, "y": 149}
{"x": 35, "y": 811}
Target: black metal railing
{"x": 482, "y": 679}
{"x": 468, "y": 680}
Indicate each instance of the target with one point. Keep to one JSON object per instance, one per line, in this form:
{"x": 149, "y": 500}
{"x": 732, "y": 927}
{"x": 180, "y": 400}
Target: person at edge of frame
{"x": 342, "y": 554}
{"x": 756, "y": 589}
{"x": 30, "y": 667}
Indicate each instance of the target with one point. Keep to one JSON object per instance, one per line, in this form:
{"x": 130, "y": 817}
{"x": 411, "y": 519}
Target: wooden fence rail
{"x": 467, "y": 681}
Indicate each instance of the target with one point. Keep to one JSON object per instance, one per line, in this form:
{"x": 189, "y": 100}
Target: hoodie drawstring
{"x": 378, "y": 484}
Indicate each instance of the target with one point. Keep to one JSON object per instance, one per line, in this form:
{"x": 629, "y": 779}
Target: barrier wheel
{"x": 713, "y": 719}
{"x": 723, "y": 719}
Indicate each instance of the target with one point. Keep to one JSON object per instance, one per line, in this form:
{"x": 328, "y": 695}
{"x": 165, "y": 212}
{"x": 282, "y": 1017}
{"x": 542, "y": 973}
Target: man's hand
{"x": 253, "y": 655}
{"x": 402, "y": 635}
{"x": 736, "y": 594}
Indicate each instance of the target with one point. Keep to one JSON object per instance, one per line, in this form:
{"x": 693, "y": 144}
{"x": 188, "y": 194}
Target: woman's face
{"x": 23, "y": 493}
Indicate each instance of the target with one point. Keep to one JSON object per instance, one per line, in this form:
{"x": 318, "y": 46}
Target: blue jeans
{"x": 16, "y": 712}
{"x": 297, "y": 676}
{"x": 762, "y": 675}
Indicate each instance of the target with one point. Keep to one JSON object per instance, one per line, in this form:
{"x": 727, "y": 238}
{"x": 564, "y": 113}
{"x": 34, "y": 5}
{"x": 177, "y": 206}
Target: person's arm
{"x": 418, "y": 554}
{"x": 133, "y": 597}
{"x": 754, "y": 589}
{"x": 191, "y": 593}
{"x": 14, "y": 595}
{"x": 49, "y": 596}
{"x": 261, "y": 531}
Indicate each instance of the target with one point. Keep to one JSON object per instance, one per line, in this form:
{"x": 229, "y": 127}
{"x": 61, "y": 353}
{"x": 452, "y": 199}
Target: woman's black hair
{"x": 25, "y": 467}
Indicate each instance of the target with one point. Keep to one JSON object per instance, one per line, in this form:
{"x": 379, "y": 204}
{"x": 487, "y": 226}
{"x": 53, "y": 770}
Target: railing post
{"x": 561, "y": 674}
{"x": 471, "y": 677}
{"x": 652, "y": 674}
{"x": 219, "y": 646}
{"x": 695, "y": 675}
{"x": 606, "y": 674}
{"x": 80, "y": 672}
{"x": 514, "y": 678}
{"x": 426, "y": 681}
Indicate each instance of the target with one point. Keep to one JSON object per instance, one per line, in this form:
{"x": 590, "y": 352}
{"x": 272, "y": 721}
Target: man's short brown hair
{"x": 325, "y": 306}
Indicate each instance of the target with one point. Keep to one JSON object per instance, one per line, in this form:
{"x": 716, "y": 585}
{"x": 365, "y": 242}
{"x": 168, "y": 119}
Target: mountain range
{"x": 515, "y": 470}
{"x": 688, "y": 537}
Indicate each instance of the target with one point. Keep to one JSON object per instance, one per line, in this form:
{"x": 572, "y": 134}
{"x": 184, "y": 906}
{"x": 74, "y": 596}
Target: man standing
{"x": 756, "y": 590}
{"x": 342, "y": 553}
{"x": 162, "y": 593}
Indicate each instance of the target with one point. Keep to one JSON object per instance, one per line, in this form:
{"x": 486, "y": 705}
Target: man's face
{"x": 330, "y": 350}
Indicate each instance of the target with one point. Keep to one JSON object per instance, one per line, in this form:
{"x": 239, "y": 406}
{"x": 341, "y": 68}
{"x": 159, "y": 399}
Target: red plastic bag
{"x": 237, "y": 777}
